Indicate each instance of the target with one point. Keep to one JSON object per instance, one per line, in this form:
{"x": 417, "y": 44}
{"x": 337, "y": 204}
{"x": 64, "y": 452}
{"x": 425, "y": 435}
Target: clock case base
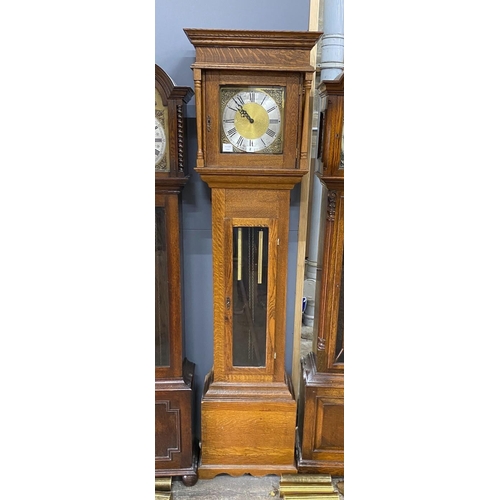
{"x": 247, "y": 428}
{"x": 174, "y": 399}
{"x": 320, "y": 434}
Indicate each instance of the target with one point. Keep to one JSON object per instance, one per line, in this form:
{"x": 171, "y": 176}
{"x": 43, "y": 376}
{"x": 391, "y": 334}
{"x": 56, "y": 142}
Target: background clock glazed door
{"x": 162, "y": 328}
{"x": 168, "y": 305}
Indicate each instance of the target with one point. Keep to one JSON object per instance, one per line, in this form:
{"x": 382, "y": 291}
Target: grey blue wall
{"x": 175, "y": 54}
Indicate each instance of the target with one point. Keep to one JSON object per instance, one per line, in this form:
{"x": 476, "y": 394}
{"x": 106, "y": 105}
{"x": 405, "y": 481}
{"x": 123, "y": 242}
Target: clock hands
{"x": 245, "y": 115}
{"x": 242, "y": 111}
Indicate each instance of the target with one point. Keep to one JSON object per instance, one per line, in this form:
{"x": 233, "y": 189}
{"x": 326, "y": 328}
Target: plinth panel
{"x": 329, "y": 424}
{"x": 244, "y": 435}
{"x": 167, "y": 430}
{"x": 176, "y": 454}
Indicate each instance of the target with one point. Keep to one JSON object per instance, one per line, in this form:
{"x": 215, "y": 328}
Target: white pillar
{"x": 332, "y": 42}
{"x": 331, "y": 65}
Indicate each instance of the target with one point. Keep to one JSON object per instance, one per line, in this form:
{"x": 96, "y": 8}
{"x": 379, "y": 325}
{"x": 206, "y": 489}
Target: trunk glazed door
{"x": 168, "y": 326}
{"x": 335, "y": 340}
{"x": 251, "y": 259}
{"x": 339, "y": 342}
{"x": 162, "y": 327}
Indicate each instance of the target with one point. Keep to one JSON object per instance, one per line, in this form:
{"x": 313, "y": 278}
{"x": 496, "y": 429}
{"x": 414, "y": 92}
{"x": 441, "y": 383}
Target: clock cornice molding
{"x": 252, "y": 38}
{"x": 168, "y": 90}
{"x": 253, "y": 49}
{"x": 332, "y": 87}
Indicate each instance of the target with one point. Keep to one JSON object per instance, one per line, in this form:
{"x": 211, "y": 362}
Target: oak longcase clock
{"x": 252, "y": 91}
{"x": 175, "y": 452}
{"x": 320, "y": 439}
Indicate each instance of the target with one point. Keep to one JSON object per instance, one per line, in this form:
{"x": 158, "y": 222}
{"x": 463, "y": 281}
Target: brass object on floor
{"x": 163, "y": 495}
{"x": 306, "y": 478}
{"x": 163, "y": 483}
{"x": 295, "y": 489}
{"x": 320, "y": 496}
{"x": 307, "y": 487}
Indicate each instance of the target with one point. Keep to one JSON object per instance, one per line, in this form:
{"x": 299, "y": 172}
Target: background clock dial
{"x": 160, "y": 141}
{"x": 162, "y": 153}
{"x": 252, "y": 120}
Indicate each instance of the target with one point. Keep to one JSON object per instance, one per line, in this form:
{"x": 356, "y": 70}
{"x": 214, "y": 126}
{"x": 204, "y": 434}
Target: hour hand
{"x": 239, "y": 104}
{"x": 245, "y": 115}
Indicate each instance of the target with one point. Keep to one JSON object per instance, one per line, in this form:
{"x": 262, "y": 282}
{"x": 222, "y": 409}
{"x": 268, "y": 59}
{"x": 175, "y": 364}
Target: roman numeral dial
{"x": 160, "y": 141}
{"x": 252, "y": 119}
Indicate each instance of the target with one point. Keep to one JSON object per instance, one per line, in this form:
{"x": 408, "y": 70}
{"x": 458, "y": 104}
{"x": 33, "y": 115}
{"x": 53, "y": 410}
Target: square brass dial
{"x": 252, "y": 119}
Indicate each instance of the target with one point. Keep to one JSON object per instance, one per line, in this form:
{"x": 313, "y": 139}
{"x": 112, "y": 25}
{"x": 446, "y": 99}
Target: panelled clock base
{"x": 247, "y": 428}
{"x": 320, "y": 435}
{"x": 176, "y": 453}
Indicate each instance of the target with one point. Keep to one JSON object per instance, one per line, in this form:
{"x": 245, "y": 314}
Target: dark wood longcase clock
{"x": 252, "y": 91}
{"x": 175, "y": 452}
{"x": 320, "y": 436}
